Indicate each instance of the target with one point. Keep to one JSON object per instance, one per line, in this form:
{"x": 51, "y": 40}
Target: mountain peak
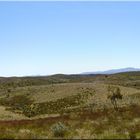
{"x": 114, "y": 71}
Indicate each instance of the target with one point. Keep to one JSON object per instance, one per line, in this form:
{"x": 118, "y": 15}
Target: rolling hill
{"x": 30, "y": 107}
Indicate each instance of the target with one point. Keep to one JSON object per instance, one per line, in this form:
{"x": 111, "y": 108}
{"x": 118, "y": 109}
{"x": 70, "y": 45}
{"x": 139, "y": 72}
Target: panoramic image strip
{"x": 69, "y": 69}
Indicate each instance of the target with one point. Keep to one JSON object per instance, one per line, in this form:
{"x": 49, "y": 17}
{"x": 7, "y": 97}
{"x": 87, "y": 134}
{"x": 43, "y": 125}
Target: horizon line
{"x": 80, "y": 73}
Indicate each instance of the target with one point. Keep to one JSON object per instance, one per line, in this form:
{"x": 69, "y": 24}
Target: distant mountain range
{"x": 113, "y": 71}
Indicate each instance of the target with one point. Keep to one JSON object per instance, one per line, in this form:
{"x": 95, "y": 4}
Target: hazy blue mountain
{"x": 113, "y": 71}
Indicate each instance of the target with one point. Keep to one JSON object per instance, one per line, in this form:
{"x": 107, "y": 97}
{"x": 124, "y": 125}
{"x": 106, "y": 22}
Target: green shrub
{"x": 59, "y": 129}
{"x": 30, "y": 110}
{"x": 132, "y": 135}
{"x": 17, "y": 102}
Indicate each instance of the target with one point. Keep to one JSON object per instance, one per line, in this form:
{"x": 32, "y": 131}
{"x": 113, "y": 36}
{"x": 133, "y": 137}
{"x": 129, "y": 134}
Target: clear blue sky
{"x": 68, "y": 37}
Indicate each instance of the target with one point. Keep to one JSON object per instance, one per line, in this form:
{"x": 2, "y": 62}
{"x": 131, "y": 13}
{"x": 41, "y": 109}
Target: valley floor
{"x": 80, "y": 110}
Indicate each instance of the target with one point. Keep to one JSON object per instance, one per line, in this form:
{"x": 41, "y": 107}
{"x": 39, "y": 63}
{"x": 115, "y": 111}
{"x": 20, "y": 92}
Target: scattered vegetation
{"x": 78, "y": 109}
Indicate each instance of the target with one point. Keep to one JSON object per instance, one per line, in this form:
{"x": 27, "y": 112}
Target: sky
{"x": 43, "y": 38}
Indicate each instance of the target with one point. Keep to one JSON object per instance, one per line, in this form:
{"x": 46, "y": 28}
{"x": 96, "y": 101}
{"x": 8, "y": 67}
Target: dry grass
{"x": 8, "y": 115}
{"x": 58, "y": 91}
{"x": 95, "y": 118}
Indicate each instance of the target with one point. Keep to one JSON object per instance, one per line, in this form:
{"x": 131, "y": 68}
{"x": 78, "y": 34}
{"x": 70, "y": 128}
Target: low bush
{"x": 17, "y": 102}
{"x": 59, "y": 129}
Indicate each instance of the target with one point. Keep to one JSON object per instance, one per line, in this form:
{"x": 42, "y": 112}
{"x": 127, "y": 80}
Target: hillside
{"x": 131, "y": 79}
{"x": 66, "y": 101}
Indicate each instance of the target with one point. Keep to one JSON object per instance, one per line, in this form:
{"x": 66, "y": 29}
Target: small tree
{"x": 114, "y": 95}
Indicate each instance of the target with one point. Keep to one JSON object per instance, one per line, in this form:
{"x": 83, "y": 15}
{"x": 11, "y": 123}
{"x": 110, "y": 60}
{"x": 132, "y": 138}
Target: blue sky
{"x": 41, "y": 38}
